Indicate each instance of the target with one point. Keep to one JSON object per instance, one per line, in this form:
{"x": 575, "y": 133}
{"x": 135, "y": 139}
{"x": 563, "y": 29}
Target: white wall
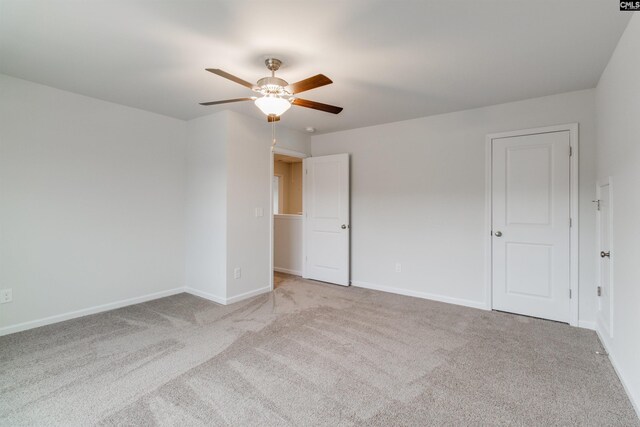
{"x": 249, "y": 171}
{"x": 618, "y": 156}
{"x": 283, "y": 171}
{"x": 103, "y": 205}
{"x": 295, "y": 189}
{"x": 287, "y": 244}
{"x": 91, "y": 202}
{"x": 206, "y": 206}
{"x": 418, "y": 196}
{"x": 229, "y": 176}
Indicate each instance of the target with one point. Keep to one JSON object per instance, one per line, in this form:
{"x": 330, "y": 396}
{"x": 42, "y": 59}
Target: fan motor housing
{"x": 272, "y": 85}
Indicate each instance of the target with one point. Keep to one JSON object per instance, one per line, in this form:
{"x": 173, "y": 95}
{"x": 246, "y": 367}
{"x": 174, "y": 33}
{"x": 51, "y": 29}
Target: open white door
{"x": 326, "y": 207}
{"x": 531, "y": 225}
{"x": 605, "y": 291}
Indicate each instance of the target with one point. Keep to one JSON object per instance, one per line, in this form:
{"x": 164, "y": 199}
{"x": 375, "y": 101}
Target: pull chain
{"x": 273, "y": 135}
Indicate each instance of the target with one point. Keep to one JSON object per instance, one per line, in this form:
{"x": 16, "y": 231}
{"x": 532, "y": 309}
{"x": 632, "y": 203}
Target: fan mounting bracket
{"x": 273, "y": 64}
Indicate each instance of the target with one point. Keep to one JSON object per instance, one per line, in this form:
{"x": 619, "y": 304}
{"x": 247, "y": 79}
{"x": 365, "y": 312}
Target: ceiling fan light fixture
{"x": 277, "y": 94}
{"x": 272, "y": 105}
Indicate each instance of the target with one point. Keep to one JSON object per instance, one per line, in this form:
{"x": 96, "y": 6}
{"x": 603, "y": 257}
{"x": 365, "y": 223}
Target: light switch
{"x": 259, "y": 212}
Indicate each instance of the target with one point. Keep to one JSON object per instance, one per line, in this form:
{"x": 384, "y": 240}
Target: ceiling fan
{"x": 277, "y": 95}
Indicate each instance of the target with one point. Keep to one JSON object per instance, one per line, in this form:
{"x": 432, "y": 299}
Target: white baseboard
{"x": 424, "y": 295}
{"x": 635, "y": 402}
{"x": 286, "y": 270}
{"x": 11, "y": 329}
{"x": 87, "y": 311}
{"x": 206, "y": 295}
{"x": 587, "y": 324}
{"x": 226, "y": 301}
{"x": 249, "y": 294}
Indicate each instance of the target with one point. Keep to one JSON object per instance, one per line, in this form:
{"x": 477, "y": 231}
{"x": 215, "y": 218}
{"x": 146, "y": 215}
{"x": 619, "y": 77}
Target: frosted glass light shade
{"x": 272, "y": 105}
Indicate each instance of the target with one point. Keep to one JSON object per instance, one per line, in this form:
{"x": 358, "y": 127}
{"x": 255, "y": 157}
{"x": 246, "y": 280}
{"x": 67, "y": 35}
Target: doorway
{"x": 286, "y": 213}
{"x": 311, "y": 239}
{"x": 532, "y": 222}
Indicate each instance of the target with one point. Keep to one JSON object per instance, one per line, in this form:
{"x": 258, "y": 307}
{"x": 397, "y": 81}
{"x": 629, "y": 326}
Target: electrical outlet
{"x": 398, "y": 267}
{"x": 6, "y": 295}
{"x": 237, "y": 273}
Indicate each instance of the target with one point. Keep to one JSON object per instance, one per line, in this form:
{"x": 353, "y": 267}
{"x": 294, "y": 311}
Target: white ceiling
{"x": 389, "y": 60}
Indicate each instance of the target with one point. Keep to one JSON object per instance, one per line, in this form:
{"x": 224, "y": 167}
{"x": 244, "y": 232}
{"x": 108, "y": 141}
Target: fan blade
{"x": 230, "y": 77}
{"x": 226, "y": 101}
{"x": 273, "y": 119}
{"x": 316, "y": 105}
{"x": 308, "y": 84}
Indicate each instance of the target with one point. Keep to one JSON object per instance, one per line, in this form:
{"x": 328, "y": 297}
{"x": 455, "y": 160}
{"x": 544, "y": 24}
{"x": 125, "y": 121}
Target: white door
{"x": 530, "y": 225}
{"x": 605, "y": 294}
{"x": 326, "y": 208}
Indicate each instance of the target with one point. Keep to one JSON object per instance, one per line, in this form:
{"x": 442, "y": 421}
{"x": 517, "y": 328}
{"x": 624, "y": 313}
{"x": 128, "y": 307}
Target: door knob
{"x": 605, "y": 254}
{"x": 498, "y": 233}
{"x": 343, "y": 226}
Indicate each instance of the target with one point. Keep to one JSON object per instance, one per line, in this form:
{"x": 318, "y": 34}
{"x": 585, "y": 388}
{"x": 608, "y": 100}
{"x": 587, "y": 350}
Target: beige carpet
{"x": 308, "y": 354}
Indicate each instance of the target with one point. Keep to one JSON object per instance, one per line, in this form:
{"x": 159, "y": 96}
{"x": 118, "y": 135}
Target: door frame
{"x": 606, "y": 332}
{"x": 291, "y": 153}
{"x": 574, "y": 249}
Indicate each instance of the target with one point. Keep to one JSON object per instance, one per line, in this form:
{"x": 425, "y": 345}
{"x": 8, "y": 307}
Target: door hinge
{"x": 597, "y": 202}
{"x": 570, "y": 151}
{"x": 570, "y": 294}
{"x": 599, "y": 291}
{"x": 570, "y": 223}
{"x": 306, "y": 171}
